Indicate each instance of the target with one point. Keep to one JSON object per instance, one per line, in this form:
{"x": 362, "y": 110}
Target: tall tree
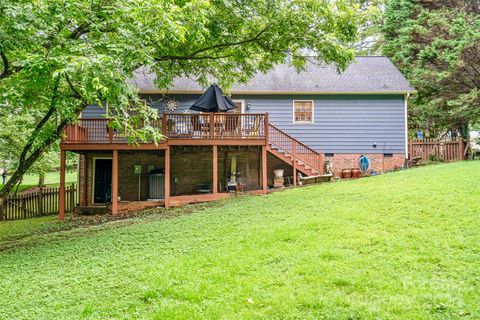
{"x": 58, "y": 56}
{"x": 370, "y": 35}
{"x": 437, "y": 46}
{"x": 14, "y": 130}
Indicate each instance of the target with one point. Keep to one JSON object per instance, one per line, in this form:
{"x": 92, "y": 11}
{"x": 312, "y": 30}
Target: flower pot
{"x": 278, "y": 173}
{"x": 356, "y": 173}
{"x": 346, "y": 174}
{"x": 278, "y": 182}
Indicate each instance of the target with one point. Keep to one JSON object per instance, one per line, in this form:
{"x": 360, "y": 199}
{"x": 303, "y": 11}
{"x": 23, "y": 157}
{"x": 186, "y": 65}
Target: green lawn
{"x": 52, "y": 179}
{"x": 21, "y": 228}
{"x": 400, "y": 246}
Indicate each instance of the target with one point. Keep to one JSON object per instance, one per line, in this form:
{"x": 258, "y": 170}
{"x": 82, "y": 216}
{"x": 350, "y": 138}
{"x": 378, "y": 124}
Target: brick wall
{"x": 82, "y": 180}
{"x": 192, "y": 167}
{"x": 248, "y": 165}
{"x": 378, "y": 162}
{"x": 127, "y": 178}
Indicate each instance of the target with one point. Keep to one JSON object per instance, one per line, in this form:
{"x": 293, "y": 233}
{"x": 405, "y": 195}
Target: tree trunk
{"x": 465, "y": 132}
{"x": 27, "y": 163}
{"x": 41, "y": 179}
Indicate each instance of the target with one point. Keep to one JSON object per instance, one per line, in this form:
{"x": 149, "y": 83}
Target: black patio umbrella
{"x": 213, "y": 100}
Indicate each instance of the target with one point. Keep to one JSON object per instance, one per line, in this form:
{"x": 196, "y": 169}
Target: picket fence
{"x": 41, "y": 202}
{"x": 444, "y": 150}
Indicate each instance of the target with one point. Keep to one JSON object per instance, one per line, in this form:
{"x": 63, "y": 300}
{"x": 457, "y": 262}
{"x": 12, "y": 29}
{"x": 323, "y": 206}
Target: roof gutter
{"x": 265, "y": 92}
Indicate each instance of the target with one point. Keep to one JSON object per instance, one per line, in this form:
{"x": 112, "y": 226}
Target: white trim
{"x": 405, "y": 103}
{"x": 259, "y": 92}
{"x": 94, "y": 160}
{"x": 242, "y": 107}
{"x": 303, "y": 122}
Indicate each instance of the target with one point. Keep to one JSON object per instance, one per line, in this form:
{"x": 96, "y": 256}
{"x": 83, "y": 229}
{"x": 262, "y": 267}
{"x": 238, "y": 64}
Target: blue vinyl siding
{"x": 342, "y": 123}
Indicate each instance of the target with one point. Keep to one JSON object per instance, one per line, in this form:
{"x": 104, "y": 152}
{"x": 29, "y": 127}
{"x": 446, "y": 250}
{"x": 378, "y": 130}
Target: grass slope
{"x": 399, "y": 246}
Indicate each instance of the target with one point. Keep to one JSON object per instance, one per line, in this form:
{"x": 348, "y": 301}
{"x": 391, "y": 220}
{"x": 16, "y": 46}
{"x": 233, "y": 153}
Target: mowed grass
{"x": 400, "y": 246}
{"x": 52, "y": 179}
{"x": 20, "y": 228}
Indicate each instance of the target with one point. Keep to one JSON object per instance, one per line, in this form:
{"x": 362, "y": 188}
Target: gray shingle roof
{"x": 365, "y": 75}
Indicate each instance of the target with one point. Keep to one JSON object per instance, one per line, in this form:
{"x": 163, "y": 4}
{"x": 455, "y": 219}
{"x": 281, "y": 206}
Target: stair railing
{"x": 300, "y": 152}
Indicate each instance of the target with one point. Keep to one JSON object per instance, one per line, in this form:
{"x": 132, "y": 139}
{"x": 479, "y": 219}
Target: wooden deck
{"x": 192, "y": 129}
{"x": 177, "y": 128}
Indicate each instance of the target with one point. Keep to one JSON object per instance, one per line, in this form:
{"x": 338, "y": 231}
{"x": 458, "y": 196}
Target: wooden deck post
{"x": 215, "y": 170}
{"x": 72, "y": 197}
{"x": 266, "y": 127}
{"x": 110, "y": 134}
{"x": 294, "y": 156}
{"x": 212, "y": 125}
{"x": 410, "y": 149}
{"x": 167, "y": 177}
{"x": 115, "y": 182}
{"x": 164, "y": 124}
{"x": 61, "y": 191}
{"x": 264, "y": 169}
{"x": 461, "y": 149}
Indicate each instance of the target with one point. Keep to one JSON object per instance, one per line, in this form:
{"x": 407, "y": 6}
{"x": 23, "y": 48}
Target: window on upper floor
{"x": 302, "y": 111}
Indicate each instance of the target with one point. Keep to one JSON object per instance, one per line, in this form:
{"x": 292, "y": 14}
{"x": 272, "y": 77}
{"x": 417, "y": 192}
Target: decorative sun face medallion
{"x": 171, "y": 105}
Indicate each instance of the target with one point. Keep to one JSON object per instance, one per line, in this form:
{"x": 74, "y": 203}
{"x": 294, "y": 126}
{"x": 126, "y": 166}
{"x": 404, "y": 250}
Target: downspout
{"x": 405, "y": 103}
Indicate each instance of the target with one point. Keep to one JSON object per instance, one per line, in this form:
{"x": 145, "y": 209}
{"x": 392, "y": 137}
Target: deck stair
{"x": 288, "y": 149}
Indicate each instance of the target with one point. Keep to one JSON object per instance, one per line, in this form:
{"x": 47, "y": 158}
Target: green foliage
{"x": 370, "y": 35}
{"x": 14, "y": 130}
{"x": 396, "y": 246}
{"x": 58, "y": 56}
{"x": 436, "y": 44}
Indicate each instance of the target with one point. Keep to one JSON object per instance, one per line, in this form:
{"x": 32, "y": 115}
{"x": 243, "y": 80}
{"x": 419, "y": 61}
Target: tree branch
{"x": 6, "y": 66}
{"x": 76, "y": 94}
{"x": 79, "y": 31}
{"x": 41, "y": 124}
{"x": 30, "y": 160}
{"x": 194, "y": 55}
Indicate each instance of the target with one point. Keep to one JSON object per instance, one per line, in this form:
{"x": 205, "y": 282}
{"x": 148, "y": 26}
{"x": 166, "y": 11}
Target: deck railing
{"x": 298, "y": 150}
{"x": 214, "y": 125}
{"x": 178, "y": 126}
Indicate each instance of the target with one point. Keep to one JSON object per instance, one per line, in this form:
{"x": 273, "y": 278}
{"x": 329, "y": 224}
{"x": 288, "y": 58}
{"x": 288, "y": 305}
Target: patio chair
{"x": 232, "y": 125}
{"x": 199, "y": 128}
{"x": 253, "y": 130}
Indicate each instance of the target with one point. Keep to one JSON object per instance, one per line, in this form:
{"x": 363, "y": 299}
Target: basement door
{"x": 102, "y": 191}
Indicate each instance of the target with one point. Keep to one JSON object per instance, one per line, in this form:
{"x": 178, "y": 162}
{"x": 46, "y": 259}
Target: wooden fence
{"x": 439, "y": 149}
{"x": 36, "y": 203}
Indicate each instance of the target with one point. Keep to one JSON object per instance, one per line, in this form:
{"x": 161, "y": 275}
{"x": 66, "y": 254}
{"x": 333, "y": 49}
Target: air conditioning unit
{"x": 156, "y": 185}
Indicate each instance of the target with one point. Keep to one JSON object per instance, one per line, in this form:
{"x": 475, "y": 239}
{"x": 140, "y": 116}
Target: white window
{"x": 303, "y": 111}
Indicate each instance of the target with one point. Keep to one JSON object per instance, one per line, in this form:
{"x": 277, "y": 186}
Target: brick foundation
{"x": 190, "y": 168}
{"x": 378, "y": 162}
{"x": 128, "y": 179}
